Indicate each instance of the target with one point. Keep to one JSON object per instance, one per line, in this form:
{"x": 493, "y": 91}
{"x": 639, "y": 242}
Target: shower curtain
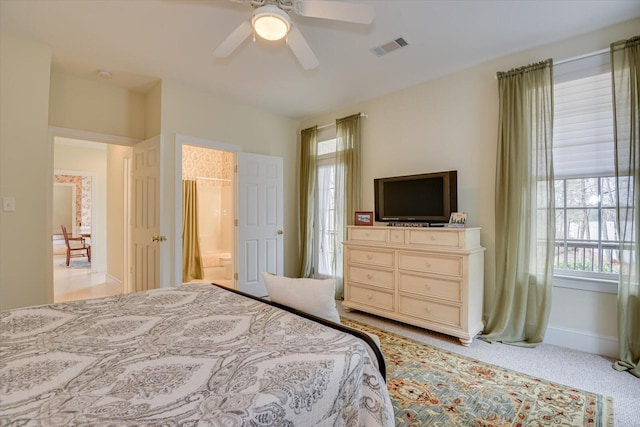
{"x": 191, "y": 258}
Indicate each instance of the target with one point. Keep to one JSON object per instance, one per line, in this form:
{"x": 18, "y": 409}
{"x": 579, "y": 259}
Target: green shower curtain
{"x": 191, "y": 258}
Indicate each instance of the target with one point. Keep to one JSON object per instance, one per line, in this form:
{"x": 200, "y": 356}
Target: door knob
{"x": 158, "y": 238}
{"x": 280, "y": 232}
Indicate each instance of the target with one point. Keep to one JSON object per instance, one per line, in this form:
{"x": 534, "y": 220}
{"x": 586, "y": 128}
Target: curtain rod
{"x": 205, "y": 178}
{"x": 333, "y": 124}
{"x": 574, "y": 58}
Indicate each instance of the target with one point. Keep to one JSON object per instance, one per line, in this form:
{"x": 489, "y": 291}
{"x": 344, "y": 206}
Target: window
{"x": 586, "y": 233}
{"x": 325, "y": 241}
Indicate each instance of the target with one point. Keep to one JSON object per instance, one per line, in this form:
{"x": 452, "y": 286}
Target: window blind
{"x": 583, "y": 118}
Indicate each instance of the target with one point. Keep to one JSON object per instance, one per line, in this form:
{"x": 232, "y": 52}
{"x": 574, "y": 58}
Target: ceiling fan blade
{"x": 234, "y": 40}
{"x": 359, "y": 13}
{"x": 301, "y": 49}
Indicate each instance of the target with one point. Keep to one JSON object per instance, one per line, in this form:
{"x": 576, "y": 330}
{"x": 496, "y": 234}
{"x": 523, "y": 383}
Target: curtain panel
{"x": 625, "y": 65}
{"x": 307, "y": 207}
{"x": 524, "y": 205}
{"x": 191, "y": 258}
{"x": 348, "y": 166}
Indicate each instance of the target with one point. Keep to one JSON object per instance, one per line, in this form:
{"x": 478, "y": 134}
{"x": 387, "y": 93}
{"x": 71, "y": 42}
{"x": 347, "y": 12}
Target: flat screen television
{"x": 427, "y": 198}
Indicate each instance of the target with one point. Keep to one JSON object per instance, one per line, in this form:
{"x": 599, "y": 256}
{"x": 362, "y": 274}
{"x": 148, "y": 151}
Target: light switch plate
{"x": 8, "y": 204}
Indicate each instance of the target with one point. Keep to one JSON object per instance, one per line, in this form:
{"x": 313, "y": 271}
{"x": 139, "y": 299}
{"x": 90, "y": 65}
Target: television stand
{"x": 427, "y": 277}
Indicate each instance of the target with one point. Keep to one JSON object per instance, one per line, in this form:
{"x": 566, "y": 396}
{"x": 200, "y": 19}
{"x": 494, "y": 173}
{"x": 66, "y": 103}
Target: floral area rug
{"x": 433, "y": 387}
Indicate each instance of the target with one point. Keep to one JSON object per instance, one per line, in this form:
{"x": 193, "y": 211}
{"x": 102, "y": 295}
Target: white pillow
{"x": 313, "y": 296}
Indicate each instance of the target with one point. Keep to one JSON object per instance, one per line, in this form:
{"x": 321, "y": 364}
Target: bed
{"x": 190, "y": 355}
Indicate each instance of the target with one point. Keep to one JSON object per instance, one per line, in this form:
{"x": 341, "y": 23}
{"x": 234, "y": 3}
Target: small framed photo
{"x": 363, "y": 218}
{"x": 458, "y": 219}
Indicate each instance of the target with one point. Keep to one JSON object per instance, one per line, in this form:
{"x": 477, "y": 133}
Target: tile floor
{"x": 70, "y": 284}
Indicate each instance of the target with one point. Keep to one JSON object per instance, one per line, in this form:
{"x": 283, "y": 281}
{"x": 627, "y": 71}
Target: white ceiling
{"x": 141, "y": 41}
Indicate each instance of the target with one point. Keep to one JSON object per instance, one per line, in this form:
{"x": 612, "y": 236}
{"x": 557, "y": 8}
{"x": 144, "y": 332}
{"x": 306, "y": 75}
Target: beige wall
{"x": 90, "y": 160}
{"x": 153, "y": 111}
{"x": 451, "y": 123}
{"x": 25, "y": 173}
{"x": 115, "y": 212}
{"x": 189, "y": 112}
{"x": 97, "y": 106}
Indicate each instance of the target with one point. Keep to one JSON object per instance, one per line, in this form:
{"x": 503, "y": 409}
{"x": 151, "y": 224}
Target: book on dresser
{"x": 427, "y": 277}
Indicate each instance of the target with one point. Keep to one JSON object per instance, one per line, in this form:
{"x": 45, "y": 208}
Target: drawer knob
{"x": 369, "y": 256}
{"x": 369, "y": 276}
{"x": 433, "y": 237}
{"x": 369, "y": 296}
{"x": 428, "y": 286}
{"x": 427, "y": 263}
{"x": 428, "y": 309}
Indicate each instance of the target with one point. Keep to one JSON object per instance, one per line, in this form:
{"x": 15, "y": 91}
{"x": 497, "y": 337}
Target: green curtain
{"x": 524, "y": 205}
{"x": 625, "y": 63}
{"x": 191, "y": 258}
{"x": 307, "y": 208}
{"x": 348, "y": 165}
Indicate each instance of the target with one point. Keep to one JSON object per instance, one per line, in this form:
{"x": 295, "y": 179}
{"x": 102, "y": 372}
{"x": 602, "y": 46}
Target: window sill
{"x": 586, "y": 284}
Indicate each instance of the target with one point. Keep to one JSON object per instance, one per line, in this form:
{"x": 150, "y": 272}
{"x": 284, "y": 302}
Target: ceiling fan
{"x": 271, "y": 21}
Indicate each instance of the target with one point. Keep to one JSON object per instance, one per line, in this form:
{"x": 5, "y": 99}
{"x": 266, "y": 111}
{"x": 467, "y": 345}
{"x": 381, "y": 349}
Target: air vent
{"x": 390, "y": 47}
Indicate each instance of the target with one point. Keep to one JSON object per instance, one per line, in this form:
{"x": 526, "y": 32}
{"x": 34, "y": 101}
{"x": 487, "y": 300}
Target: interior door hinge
{"x": 235, "y": 222}
{"x": 236, "y": 169}
{"x": 235, "y": 276}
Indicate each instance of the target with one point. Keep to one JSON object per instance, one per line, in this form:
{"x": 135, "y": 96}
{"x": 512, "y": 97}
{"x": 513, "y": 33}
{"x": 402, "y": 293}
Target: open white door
{"x": 147, "y": 242}
{"x": 260, "y": 220}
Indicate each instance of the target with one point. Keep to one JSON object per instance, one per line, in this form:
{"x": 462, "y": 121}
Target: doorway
{"x": 208, "y": 192}
{"x": 79, "y": 203}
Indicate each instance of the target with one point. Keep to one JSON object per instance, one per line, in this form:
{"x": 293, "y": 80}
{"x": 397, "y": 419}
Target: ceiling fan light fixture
{"x": 271, "y": 22}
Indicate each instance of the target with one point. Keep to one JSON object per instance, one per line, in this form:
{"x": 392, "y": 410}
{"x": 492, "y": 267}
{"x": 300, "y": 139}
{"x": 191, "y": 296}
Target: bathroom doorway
{"x": 207, "y": 176}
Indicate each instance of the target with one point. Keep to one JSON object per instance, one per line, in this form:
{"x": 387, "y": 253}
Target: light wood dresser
{"x": 428, "y": 277}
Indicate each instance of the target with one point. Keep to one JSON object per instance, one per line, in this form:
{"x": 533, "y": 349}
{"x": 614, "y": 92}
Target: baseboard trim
{"x": 113, "y": 282}
{"x": 582, "y": 341}
{"x": 98, "y": 267}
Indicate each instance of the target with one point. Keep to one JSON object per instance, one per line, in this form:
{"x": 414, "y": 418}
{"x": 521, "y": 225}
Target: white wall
{"x": 25, "y": 173}
{"x": 89, "y": 160}
{"x": 451, "y": 123}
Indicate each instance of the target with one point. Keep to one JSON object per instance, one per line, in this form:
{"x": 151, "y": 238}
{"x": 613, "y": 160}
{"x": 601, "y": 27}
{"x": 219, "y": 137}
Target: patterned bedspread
{"x": 191, "y": 355}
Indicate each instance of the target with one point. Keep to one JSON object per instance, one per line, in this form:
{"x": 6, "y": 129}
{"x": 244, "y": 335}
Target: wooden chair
{"x": 74, "y": 250}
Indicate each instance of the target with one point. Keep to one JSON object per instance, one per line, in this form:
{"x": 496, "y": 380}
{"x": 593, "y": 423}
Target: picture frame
{"x": 363, "y": 218}
{"x": 458, "y": 219}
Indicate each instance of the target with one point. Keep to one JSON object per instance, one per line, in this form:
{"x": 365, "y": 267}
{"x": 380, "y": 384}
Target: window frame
{"x": 595, "y": 281}
{"x": 321, "y": 160}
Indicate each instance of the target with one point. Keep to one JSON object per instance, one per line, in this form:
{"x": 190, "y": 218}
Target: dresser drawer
{"x": 382, "y": 258}
{"x": 368, "y": 296}
{"x": 370, "y": 276}
{"x": 368, "y": 234}
{"x": 396, "y": 236}
{"x": 429, "y": 310}
{"x": 434, "y": 238}
{"x": 430, "y": 286}
{"x": 450, "y": 265}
